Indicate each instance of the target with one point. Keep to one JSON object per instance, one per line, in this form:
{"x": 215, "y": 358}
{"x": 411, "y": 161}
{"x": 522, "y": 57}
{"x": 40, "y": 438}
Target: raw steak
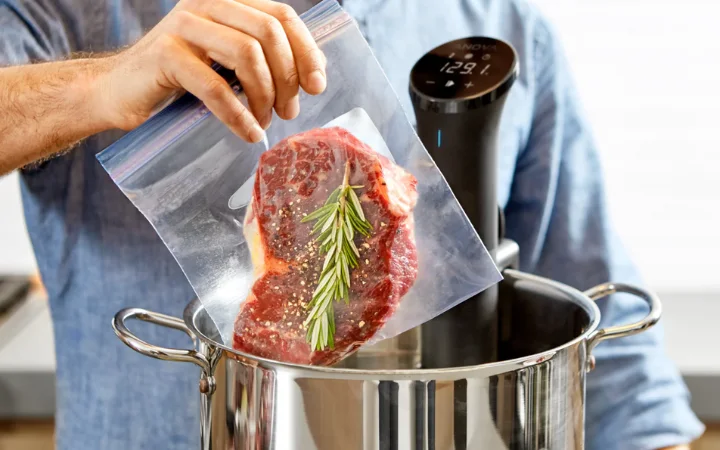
{"x": 294, "y": 178}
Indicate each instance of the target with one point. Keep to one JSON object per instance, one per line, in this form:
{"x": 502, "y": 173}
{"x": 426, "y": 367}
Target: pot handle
{"x": 164, "y": 353}
{"x": 603, "y": 290}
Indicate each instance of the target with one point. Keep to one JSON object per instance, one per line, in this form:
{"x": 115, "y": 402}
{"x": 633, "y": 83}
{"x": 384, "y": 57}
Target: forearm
{"x": 47, "y": 108}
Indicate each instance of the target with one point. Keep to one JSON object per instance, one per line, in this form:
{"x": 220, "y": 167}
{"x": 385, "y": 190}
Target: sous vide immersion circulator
{"x": 458, "y": 91}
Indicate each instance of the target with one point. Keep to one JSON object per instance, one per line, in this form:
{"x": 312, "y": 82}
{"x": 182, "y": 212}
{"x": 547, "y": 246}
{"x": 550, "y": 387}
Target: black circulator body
{"x": 458, "y": 91}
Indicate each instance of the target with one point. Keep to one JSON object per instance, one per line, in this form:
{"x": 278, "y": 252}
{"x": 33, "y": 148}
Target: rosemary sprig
{"x": 337, "y": 221}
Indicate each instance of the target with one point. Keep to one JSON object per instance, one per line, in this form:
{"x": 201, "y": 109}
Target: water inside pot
{"x": 535, "y": 316}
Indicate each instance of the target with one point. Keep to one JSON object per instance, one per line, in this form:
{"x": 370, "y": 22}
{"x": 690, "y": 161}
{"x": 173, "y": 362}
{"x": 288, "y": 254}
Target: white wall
{"x": 649, "y": 75}
{"x": 16, "y": 255}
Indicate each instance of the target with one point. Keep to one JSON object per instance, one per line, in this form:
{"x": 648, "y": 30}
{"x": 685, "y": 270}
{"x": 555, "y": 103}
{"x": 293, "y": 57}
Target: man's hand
{"x": 264, "y": 42}
{"x": 46, "y": 108}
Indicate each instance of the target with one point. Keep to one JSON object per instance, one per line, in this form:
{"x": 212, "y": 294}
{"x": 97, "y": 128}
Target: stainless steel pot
{"x": 533, "y": 399}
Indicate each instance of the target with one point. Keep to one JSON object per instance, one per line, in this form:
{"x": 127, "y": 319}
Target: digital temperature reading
{"x": 464, "y": 69}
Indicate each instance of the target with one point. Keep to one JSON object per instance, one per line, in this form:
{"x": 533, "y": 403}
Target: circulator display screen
{"x": 463, "y": 68}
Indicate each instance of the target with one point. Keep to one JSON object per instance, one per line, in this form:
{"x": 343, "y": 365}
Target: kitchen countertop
{"x": 27, "y": 360}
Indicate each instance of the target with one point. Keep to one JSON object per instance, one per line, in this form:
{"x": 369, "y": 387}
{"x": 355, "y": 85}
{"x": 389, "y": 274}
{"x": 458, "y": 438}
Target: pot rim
{"x": 580, "y": 299}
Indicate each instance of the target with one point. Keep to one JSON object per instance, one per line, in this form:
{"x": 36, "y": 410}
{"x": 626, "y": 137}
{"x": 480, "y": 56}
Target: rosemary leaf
{"x": 340, "y": 233}
{"x": 362, "y": 227}
{"x": 338, "y": 270}
{"x": 328, "y": 257}
{"x": 350, "y": 255}
{"x": 343, "y": 290}
{"x": 356, "y": 204}
{"x": 315, "y": 335}
{"x": 334, "y": 196}
{"x": 349, "y": 227}
{"x": 322, "y": 212}
{"x": 323, "y": 330}
{"x": 323, "y": 282}
{"x": 326, "y": 237}
{"x": 313, "y": 313}
{"x": 349, "y": 232}
{"x": 329, "y": 222}
{"x": 345, "y": 270}
{"x": 319, "y": 308}
{"x": 354, "y": 249}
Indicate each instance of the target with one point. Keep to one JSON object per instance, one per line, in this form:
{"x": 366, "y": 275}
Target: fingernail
{"x": 317, "y": 81}
{"x": 256, "y": 133}
{"x": 266, "y": 121}
{"x": 292, "y": 109}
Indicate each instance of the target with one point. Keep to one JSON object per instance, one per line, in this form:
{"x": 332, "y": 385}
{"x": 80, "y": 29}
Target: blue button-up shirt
{"x": 97, "y": 254}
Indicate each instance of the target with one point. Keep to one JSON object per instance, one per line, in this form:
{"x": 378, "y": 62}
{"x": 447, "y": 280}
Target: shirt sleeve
{"x": 557, "y": 212}
{"x": 33, "y": 31}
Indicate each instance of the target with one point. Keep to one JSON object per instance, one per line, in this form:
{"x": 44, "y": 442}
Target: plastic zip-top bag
{"x": 336, "y": 232}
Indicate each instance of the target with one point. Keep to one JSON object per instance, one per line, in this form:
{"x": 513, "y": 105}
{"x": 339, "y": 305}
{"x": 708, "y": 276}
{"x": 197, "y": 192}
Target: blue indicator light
{"x": 439, "y": 137}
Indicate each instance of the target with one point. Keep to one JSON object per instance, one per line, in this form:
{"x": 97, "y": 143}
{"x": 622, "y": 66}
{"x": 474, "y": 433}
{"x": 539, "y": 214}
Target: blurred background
{"x": 647, "y": 72}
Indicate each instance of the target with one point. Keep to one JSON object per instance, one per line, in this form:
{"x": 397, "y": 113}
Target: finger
{"x": 309, "y": 60}
{"x": 185, "y": 70}
{"x": 236, "y": 51}
{"x": 276, "y": 46}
